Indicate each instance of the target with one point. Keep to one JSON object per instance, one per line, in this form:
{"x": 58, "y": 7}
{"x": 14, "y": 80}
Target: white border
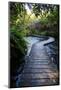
{"x": 4, "y": 43}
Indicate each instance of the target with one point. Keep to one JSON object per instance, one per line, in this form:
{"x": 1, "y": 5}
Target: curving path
{"x": 39, "y": 68}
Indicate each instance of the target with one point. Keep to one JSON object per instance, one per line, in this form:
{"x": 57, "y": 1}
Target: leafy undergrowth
{"x": 17, "y": 50}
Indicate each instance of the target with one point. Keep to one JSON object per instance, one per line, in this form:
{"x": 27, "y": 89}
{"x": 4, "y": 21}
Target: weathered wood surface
{"x": 39, "y": 69}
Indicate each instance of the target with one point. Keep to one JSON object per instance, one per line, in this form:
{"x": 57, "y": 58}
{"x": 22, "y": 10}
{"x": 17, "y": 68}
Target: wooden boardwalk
{"x": 39, "y": 69}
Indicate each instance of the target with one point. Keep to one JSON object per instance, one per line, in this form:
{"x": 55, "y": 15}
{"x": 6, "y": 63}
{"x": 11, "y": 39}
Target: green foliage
{"x": 18, "y": 47}
{"x": 44, "y": 33}
{"x": 17, "y": 12}
{"x": 51, "y": 22}
{"x": 18, "y": 50}
{"x": 16, "y": 38}
{"x": 17, "y": 16}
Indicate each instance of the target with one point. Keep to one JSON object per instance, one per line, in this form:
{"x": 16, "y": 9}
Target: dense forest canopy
{"x": 23, "y": 14}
